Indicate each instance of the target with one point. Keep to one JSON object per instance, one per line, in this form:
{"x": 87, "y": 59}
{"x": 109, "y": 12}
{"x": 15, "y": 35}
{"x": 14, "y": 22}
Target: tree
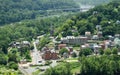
{"x": 63, "y": 50}
{"x": 101, "y": 51}
{"x": 3, "y": 59}
{"x": 12, "y": 57}
{"x": 85, "y": 52}
{"x": 32, "y": 47}
{"x": 74, "y": 54}
{"x": 13, "y": 65}
{"x": 43, "y": 41}
{"x": 115, "y": 51}
{"x": 63, "y": 69}
{"x": 4, "y": 49}
{"x": 107, "y": 51}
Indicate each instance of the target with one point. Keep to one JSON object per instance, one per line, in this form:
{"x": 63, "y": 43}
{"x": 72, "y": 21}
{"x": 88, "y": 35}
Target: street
{"x": 36, "y": 60}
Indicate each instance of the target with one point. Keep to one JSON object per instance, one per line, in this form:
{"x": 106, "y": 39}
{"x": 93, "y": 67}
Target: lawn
{"x": 36, "y": 72}
{"x": 76, "y": 48}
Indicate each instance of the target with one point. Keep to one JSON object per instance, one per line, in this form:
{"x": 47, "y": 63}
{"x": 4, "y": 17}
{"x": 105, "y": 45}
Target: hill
{"x": 107, "y": 16}
{"x": 17, "y": 10}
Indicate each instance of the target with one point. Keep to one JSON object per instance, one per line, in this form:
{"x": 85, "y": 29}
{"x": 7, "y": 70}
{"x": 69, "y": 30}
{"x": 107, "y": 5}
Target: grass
{"x": 75, "y": 70}
{"x": 72, "y": 58}
{"x": 76, "y": 48}
{"x": 36, "y": 72}
{"x": 75, "y": 67}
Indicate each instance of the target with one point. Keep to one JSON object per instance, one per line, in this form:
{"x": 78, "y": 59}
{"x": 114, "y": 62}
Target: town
{"x": 57, "y": 50}
{"x": 59, "y": 37}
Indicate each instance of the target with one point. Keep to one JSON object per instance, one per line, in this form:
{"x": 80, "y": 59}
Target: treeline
{"x": 17, "y": 10}
{"x": 107, "y": 63}
{"x": 107, "y": 16}
{"x": 28, "y": 29}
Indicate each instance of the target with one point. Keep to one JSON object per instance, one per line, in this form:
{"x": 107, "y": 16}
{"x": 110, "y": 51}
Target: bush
{"x": 74, "y": 54}
{"x": 13, "y": 65}
{"x": 85, "y": 52}
{"x": 3, "y": 59}
{"x": 107, "y": 51}
{"x": 114, "y": 51}
{"x": 101, "y": 51}
{"x": 63, "y": 50}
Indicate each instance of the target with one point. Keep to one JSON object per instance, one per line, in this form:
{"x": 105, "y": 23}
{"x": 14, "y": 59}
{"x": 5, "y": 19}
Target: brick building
{"x": 48, "y": 55}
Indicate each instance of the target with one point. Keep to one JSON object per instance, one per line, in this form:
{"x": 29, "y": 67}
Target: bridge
{"x": 71, "y": 9}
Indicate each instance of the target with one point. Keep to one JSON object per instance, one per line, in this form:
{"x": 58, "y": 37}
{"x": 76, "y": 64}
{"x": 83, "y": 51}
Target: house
{"x": 117, "y": 35}
{"x": 98, "y": 27}
{"x": 111, "y": 37}
{"x": 108, "y": 44}
{"x": 96, "y": 48}
{"x": 15, "y": 44}
{"x": 70, "y": 50}
{"x": 44, "y": 49}
{"x": 65, "y": 55}
{"x": 95, "y": 37}
{"x": 117, "y": 41}
{"x": 48, "y": 55}
{"x": 60, "y": 46}
{"x": 74, "y": 40}
{"x": 85, "y": 46}
{"x": 25, "y": 43}
{"x": 19, "y": 44}
{"x": 100, "y": 34}
{"x": 88, "y": 35}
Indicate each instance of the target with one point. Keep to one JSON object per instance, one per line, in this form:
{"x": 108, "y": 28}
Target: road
{"x": 36, "y": 60}
{"x": 23, "y": 71}
{"x": 36, "y": 55}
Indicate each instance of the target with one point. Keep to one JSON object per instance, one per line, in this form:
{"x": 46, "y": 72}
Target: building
{"x": 60, "y": 46}
{"x": 19, "y": 44}
{"x": 117, "y": 36}
{"x": 117, "y": 41}
{"x": 74, "y": 40}
{"x": 15, "y": 44}
{"x": 48, "y": 55}
{"x": 25, "y": 43}
{"x": 88, "y": 35}
{"x": 100, "y": 34}
{"x": 98, "y": 27}
{"x": 95, "y": 37}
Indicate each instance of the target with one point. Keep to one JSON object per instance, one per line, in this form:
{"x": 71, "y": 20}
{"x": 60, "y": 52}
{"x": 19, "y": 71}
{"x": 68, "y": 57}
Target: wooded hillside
{"x": 17, "y": 10}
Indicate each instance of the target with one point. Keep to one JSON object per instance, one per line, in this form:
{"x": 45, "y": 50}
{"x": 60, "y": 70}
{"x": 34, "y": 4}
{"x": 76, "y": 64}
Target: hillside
{"x": 107, "y": 16}
{"x": 17, "y": 10}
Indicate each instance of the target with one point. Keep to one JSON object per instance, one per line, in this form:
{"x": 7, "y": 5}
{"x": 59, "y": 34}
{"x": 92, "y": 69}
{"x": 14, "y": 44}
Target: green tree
{"x": 4, "y": 49}
{"x": 115, "y": 51}
{"x": 63, "y": 50}
{"x": 85, "y": 52}
{"x": 107, "y": 51}
{"x": 13, "y": 65}
{"x": 101, "y": 51}
{"x": 3, "y": 59}
{"x": 74, "y": 54}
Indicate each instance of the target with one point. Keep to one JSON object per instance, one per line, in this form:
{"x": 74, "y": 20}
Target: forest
{"x": 17, "y": 10}
{"x": 105, "y": 15}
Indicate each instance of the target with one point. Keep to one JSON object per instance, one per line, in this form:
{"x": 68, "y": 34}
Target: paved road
{"x": 36, "y": 55}
{"x": 23, "y": 71}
